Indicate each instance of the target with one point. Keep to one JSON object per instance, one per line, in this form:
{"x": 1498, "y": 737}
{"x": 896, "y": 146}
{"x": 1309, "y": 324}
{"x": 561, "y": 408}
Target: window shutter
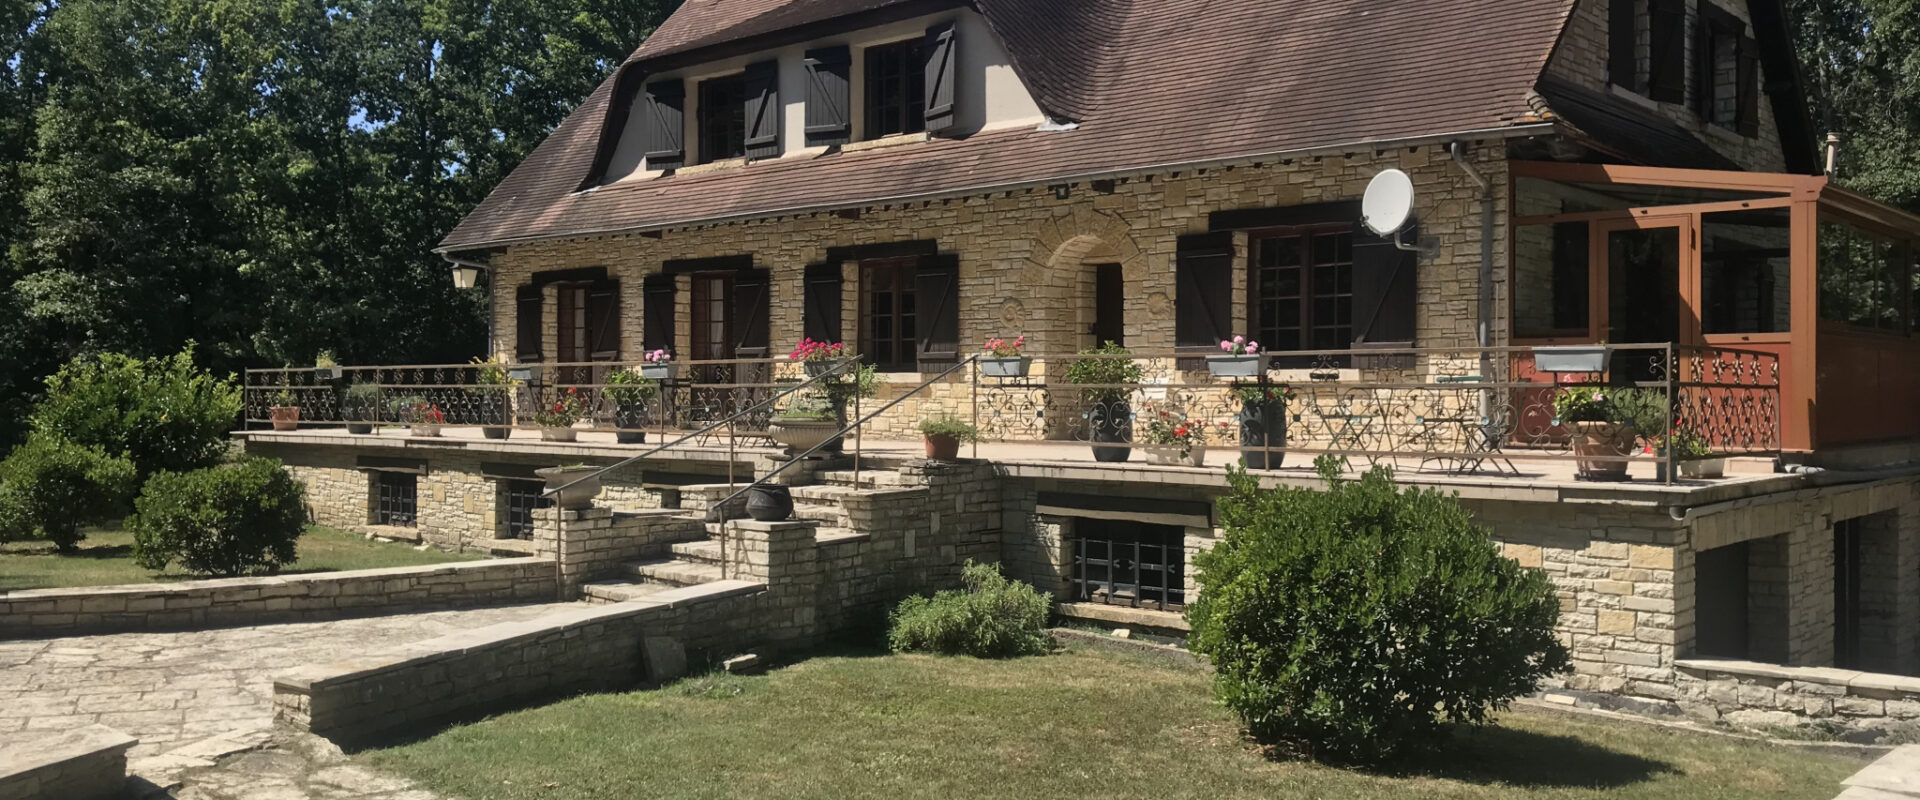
{"x": 763, "y": 109}
{"x": 1384, "y": 284}
{"x": 603, "y": 321}
{"x": 1703, "y": 67}
{"x": 666, "y": 124}
{"x": 1667, "y": 81}
{"x": 1203, "y": 290}
{"x": 1749, "y": 87}
{"x": 1623, "y": 62}
{"x": 657, "y": 305}
{"x": 821, "y": 315}
{"x": 941, "y": 56}
{"x": 528, "y": 303}
{"x": 750, "y": 313}
{"x": 828, "y": 96}
{"x": 936, "y": 302}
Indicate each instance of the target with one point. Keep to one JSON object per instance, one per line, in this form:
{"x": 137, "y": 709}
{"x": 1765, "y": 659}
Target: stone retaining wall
{"x": 85, "y": 764}
{"x": 590, "y": 648}
{"x": 1754, "y": 695}
{"x": 281, "y": 598}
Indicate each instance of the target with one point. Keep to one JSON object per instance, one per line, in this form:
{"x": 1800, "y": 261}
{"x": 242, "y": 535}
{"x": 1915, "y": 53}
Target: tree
{"x": 1861, "y": 61}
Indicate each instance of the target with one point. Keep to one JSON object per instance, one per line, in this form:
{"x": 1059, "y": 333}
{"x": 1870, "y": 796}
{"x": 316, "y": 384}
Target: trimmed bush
{"x": 163, "y": 413}
{"x": 1358, "y": 622}
{"x": 991, "y": 618}
{"x": 50, "y": 488}
{"x": 227, "y": 520}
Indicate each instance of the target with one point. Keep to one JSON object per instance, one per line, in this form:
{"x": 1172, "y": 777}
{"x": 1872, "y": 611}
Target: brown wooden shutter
{"x": 658, "y": 303}
{"x": 1203, "y": 290}
{"x": 763, "y": 109}
{"x": 603, "y": 321}
{"x": 1667, "y": 80}
{"x": 751, "y": 313}
{"x": 821, "y": 316}
{"x": 528, "y": 305}
{"x": 936, "y": 303}
{"x": 666, "y": 124}
{"x": 941, "y": 67}
{"x": 828, "y": 96}
{"x": 1703, "y": 67}
{"x": 1385, "y": 281}
{"x": 1748, "y": 87}
{"x": 1623, "y": 59}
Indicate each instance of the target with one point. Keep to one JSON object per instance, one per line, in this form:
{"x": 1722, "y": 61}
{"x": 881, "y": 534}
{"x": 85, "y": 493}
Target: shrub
{"x": 50, "y": 488}
{"x": 1116, "y": 374}
{"x": 163, "y": 413}
{"x": 993, "y": 617}
{"x": 224, "y": 520}
{"x": 1358, "y": 621}
{"x": 946, "y": 424}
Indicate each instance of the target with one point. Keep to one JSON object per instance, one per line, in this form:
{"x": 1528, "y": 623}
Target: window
{"x": 1726, "y": 71}
{"x": 518, "y": 499}
{"x": 1647, "y": 47}
{"x": 1129, "y": 563}
{"x": 1551, "y": 280}
{"x": 1864, "y": 277}
{"x": 888, "y": 321}
{"x": 896, "y": 88}
{"x": 396, "y": 499}
{"x": 712, "y": 327}
{"x": 723, "y": 118}
{"x": 1745, "y": 266}
{"x": 1303, "y": 289}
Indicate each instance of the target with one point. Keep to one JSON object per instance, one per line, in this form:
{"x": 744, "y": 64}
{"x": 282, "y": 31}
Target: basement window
{"x": 1116, "y": 562}
{"x": 396, "y": 499}
{"x": 518, "y": 499}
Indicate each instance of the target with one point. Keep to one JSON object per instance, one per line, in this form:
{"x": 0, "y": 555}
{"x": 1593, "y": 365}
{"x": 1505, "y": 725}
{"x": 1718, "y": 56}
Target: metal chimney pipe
{"x": 1833, "y": 155}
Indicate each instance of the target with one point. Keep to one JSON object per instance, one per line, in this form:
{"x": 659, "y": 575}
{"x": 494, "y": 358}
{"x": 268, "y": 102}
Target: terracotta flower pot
{"x": 941, "y": 447}
{"x": 1597, "y": 440}
{"x": 285, "y": 418}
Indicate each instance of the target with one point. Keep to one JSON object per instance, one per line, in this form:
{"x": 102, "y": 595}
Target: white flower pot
{"x": 558, "y": 434}
{"x": 1005, "y": 366}
{"x": 801, "y": 435}
{"x": 657, "y": 372}
{"x": 1163, "y": 455}
{"x": 1575, "y": 358}
{"x": 580, "y": 495}
{"x": 1247, "y": 366}
{"x": 1703, "y": 468}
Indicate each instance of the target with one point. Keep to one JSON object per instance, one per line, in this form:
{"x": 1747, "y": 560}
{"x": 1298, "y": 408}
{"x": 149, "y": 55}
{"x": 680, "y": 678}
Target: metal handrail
{"x": 715, "y": 511}
{"x": 729, "y": 420}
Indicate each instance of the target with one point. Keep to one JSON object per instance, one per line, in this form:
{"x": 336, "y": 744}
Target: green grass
{"x": 106, "y": 558}
{"x": 1075, "y": 725}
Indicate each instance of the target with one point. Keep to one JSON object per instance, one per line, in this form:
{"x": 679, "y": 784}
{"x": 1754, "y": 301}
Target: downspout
{"x": 1484, "y": 331}
{"x": 491, "y": 297}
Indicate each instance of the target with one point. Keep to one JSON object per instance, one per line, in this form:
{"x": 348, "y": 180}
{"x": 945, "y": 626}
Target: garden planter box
{"x": 1580, "y": 358}
{"x": 656, "y": 372}
{"x": 1247, "y": 366}
{"x": 581, "y": 492}
{"x": 1704, "y": 468}
{"x": 424, "y": 429}
{"x": 1008, "y": 367}
{"x": 1195, "y": 456}
{"x": 551, "y": 434}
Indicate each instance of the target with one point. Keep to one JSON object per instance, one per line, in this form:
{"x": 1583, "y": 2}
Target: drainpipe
{"x": 1484, "y": 331}
{"x": 491, "y": 297}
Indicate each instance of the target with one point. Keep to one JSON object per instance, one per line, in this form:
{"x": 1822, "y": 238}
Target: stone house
{"x": 913, "y": 177}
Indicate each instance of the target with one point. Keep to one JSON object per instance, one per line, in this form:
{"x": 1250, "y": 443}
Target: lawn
{"x": 1073, "y": 725}
{"x": 106, "y": 558}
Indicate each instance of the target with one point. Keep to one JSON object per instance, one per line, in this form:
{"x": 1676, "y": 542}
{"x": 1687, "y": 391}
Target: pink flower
{"x": 1226, "y": 347}
{"x": 1253, "y": 347}
{"x": 1238, "y": 339}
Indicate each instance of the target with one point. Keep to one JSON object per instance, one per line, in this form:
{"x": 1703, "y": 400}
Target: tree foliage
{"x": 1861, "y": 62}
{"x": 1358, "y": 621}
{"x": 267, "y": 177}
{"x": 163, "y": 413}
{"x": 225, "y": 520}
{"x": 51, "y": 488}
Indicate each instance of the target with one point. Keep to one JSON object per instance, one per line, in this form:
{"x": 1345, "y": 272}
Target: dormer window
{"x": 896, "y": 88}
{"x": 1726, "y": 72}
{"x": 1647, "y": 48}
{"x": 723, "y": 118}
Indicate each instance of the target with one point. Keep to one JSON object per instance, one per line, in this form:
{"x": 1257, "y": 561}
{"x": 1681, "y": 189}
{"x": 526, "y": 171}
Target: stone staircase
{"x": 691, "y": 563}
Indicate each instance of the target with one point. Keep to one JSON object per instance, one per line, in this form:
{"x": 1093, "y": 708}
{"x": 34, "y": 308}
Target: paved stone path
{"x": 176, "y": 691}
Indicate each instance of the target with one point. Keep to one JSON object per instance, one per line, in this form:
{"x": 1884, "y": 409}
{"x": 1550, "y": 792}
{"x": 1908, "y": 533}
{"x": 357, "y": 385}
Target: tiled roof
{"x": 1150, "y": 82}
{"x": 1628, "y": 130}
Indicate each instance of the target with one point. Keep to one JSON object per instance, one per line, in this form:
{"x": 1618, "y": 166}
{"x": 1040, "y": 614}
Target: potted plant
{"x": 805, "y": 423}
{"x": 284, "y": 413}
{"x": 422, "y": 417}
{"x": 1263, "y": 423}
{"x": 493, "y": 397}
{"x": 1604, "y": 423}
{"x": 1110, "y": 373}
{"x": 1174, "y": 440}
{"x": 658, "y": 366}
{"x": 1004, "y": 359}
{"x": 819, "y": 357}
{"x": 362, "y": 409}
{"x": 1572, "y": 358}
{"x": 944, "y": 433}
{"x": 1692, "y": 455}
{"x": 631, "y": 394}
{"x": 556, "y": 419}
{"x": 325, "y": 368}
{"x": 1240, "y": 359}
{"x": 573, "y": 485}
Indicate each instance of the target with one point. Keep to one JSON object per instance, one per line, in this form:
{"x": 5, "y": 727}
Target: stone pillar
{"x": 576, "y": 540}
{"x": 783, "y": 556}
{"x": 1810, "y": 597}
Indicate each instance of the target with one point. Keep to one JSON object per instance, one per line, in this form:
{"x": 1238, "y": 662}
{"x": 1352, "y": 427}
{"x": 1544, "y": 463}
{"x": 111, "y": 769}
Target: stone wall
{"x": 85, "y": 764}
{"x": 598, "y": 540}
{"x": 254, "y": 601}
{"x": 484, "y": 670}
{"x": 913, "y": 539}
{"x": 1755, "y": 695}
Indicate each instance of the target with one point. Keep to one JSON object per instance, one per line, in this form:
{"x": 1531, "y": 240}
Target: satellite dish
{"x": 1388, "y": 204}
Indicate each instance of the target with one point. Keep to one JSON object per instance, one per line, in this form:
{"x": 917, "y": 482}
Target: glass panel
{"x": 1864, "y": 277}
{"x": 1538, "y": 196}
{"x": 1745, "y": 270}
{"x": 1550, "y": 280}
{"x": 1643, "y": 273}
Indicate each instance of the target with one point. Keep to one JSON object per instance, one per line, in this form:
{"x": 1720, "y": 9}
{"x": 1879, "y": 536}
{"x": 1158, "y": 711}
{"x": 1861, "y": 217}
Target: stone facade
{"x": 254, "y": 601}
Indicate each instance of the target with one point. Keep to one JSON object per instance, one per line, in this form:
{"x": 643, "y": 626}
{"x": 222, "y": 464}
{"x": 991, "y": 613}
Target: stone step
{"x": 705, "y": 551}
{"x": 617, "y": 591}
{"x": 702, "y": 496}
{"x": 869, "y": 479}
{"x": 831, "y": 514}
{"x": 675, "y": 572}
